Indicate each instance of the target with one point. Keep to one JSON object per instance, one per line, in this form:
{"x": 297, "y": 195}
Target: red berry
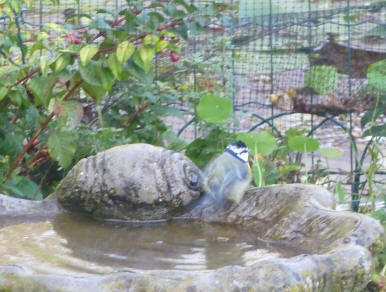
{"x": 36, "y": 142}
{"x": 174, "y": 56}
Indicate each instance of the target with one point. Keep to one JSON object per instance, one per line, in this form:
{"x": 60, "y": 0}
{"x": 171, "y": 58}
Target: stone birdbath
{"x": 278, "y": 238}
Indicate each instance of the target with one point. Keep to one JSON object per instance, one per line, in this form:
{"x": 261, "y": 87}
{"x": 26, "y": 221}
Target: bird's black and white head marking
{"x": 239, "y": 150}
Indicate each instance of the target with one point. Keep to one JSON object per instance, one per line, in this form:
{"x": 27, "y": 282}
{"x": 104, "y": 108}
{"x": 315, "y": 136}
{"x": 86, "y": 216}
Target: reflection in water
{"x": 168, "y": 245}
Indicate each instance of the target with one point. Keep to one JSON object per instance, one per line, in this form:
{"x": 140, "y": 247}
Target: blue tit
{"x": 228, "y": 176}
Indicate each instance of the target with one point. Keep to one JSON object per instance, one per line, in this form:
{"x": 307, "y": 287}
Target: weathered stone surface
{"x": 339, "y": 245}
{"x": 134, "y": 181}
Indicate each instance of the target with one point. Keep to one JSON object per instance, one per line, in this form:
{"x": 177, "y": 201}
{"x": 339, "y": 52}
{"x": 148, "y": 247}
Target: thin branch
{"x": 29, "y": 75}
{"x": 139, "y": 109}
{"x": 44, "y": 125}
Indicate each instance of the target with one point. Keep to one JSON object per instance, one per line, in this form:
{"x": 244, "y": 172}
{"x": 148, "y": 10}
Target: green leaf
{"x": 3, "y": 92}
{"x": 376, "y": 74}
{"x": 41, "y": 88}
{"x": 340, "y": 191}
{"x": 124, "y": 51}
{"x": 150, "y": 39}
{"x": 303, "y": 144}
{"x": 96, "y": 92}
{"x": 214, "y": 109}
{"x": 371, "y": 115}
{"x": 91, "y": 73}
{"x": 61, "y": 63}
{"x": 259, "y": 143}
{"x": 61, "y": 146}
{"x": 322, "y": 79}
{"x": 160, "y": 45}
{"x": 295, "y": 132}
{"x": 87, "y": 53}
{"x": 146, "y": 54}
{"x": 22, "y": 187}
{"x": 115, "y": 66}
{"x": 44, "y": 65}
{"x": 285, "y": 169}
{"x": 107, "y": 78}
{"x": 331, "y": 152}
{"x": 376, "y": 131}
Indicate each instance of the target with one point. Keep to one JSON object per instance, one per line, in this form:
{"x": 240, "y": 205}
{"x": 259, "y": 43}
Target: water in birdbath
{"x": 179, "y": 244}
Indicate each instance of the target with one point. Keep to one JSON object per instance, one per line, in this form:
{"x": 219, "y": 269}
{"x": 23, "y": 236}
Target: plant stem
{"x": 100, "y": 117}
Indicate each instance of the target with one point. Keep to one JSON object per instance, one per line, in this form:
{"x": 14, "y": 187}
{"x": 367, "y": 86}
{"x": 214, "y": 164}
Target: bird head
{"x": 239, "y": 150}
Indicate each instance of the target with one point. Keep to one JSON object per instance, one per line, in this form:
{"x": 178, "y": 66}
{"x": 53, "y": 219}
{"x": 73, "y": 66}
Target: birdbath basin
{"x": 278, "y": 238}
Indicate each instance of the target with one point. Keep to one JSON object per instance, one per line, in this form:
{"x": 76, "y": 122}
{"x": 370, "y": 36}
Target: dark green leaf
{"x": 3, "y": 92}
{"x": 371, "y": 115}
{"x": 214, "y": 109}
{"x": 96, "y": 92}
{"x": 61, "y": 146}
{"x": 376, "y": 131}
{"x": 41, "y": 87}
{"x": 22, "y": 187}
{"x": 91, "y": 73}
{"x": 107, "y": 78}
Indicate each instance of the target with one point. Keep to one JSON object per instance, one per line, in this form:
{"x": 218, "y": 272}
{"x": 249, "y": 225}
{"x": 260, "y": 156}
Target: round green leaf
{"x": 322, "y": 79}
{"x": 331, "y": 152}
{"x": 303, "y": 144}
{"x": 377, "y": 75}
{"x": 259, "y": 143}
{"x": 214, "y": 109}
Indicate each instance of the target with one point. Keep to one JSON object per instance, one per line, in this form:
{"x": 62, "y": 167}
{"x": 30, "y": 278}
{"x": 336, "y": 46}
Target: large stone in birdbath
{"x": 279, "y": 238}
{"x": 134, "y": 181}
